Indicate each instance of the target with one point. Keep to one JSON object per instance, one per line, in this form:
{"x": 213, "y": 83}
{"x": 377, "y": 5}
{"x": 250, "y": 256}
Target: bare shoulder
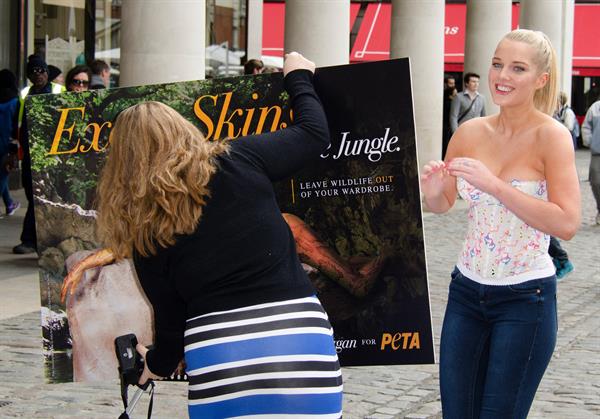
{"x": 468, "y": 135}
{"x": 478, "y": 125}
{"x": 551, "y": 134}
{"x": 554, "y": 141}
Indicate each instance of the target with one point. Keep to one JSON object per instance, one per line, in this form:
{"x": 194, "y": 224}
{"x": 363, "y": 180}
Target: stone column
{"x": 6, "y": 38}
{"x": 162, "y": 41}
{"x": 235, "y": 25}
{"x": 319, "y": 30}
{"x": 30, "y": 28}
{"x": 487, "y": 22}
{"x": 554, "y": 18}
{"x": 414, "y": 26}
{"x": 255, "y": 25}
{"x": 210, "y": 21}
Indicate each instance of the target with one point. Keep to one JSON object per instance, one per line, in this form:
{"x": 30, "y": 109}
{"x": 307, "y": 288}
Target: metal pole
{"x": 136, "y": 398}
{"x": 226, "y": 44}
{"x": 90, "y": 31}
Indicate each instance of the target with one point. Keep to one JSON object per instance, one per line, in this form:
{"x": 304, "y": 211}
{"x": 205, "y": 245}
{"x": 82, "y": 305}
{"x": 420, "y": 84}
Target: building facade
{"x": 152, "y": 41}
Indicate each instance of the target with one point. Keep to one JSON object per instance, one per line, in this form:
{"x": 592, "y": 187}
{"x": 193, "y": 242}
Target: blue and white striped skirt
{"x": 263, "y": 361}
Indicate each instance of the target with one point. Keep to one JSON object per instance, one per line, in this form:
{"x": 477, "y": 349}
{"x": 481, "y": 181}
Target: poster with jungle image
{"x": 355, "y": 214}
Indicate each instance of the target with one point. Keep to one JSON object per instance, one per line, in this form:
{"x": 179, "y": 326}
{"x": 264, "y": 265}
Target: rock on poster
{"x": 357, "y": 210}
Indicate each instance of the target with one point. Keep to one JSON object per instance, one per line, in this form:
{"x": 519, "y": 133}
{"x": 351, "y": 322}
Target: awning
{"x": 586, "y": 38}
{"x": 373, "y": 38}
{"x": 274, "y": 25}
{"x": 273, "y": 29}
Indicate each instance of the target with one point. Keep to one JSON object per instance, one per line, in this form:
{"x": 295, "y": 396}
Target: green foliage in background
{"x": 72, "y": 178}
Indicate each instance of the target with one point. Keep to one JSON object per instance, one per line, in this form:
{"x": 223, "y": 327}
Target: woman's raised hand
{"x": 436, "y": 184}
{"x": 432, "y": 178}
{"x": 295, "y": 61}
{"x": 474, "y": 172}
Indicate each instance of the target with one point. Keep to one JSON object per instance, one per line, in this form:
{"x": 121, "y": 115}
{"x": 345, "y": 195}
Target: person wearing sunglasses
{"x": 78, "y": 79}
{"x": 37, "y": 73}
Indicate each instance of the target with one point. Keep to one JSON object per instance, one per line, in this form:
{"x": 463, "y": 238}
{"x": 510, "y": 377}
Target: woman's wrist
{"x": 497, "y": 188}
{"x": 438, "y": 203}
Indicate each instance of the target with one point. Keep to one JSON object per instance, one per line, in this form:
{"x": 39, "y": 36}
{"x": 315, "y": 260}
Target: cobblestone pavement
{"x": 570, "y": 389}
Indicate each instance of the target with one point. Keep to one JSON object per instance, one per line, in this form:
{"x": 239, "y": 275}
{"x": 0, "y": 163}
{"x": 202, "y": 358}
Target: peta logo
{"x": 400, "y": 340}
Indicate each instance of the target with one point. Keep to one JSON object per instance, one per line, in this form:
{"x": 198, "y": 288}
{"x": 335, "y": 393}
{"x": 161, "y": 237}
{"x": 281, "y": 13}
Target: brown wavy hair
{"x": 155, "y": 180}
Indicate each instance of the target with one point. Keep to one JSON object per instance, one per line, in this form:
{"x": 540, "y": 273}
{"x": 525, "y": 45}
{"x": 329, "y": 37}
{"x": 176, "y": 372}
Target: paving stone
{"x": 570, "y": 388}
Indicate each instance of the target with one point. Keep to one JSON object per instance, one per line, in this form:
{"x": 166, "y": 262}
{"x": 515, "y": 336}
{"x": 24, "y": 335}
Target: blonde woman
{"x": 218, "y": 262}
{"x": 517, "y": 172}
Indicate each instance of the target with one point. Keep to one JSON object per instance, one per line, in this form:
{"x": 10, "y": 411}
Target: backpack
{"x": 576, "y": 129}
{"x": 561, "y": 115}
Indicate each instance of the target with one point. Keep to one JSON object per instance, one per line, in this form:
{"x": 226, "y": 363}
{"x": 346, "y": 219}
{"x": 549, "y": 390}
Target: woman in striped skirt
{"x": 217, "y": 260}
{"x": 270, "y": 358}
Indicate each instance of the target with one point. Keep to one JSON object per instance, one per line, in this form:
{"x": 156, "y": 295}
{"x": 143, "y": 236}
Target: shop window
{"x": 59, "y": 33}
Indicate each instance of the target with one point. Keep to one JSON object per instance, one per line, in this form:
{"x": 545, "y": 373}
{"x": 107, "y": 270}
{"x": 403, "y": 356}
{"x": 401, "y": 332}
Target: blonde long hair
{"x": 545, "y": 99}
{"x": 154, "y": 183}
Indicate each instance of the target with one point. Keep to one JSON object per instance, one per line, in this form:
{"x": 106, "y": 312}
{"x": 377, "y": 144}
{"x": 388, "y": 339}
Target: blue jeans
{"x": 4, "y": 188}
{"x": 496, "y": 344}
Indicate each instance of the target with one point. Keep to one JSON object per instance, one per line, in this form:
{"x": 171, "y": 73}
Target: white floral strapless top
{"x": 501, "y": 249}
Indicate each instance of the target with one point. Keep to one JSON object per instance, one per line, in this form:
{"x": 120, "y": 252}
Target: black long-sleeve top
{"x": 242, "y": 252}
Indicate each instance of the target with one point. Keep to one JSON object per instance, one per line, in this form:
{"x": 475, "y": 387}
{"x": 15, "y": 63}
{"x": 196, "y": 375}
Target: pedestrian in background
{"x": 449, "y": 94}
{"x": 590, "y": 131}
{"x": 100, "y": 75}
{"x": 567, "y": 117}
{"x": 37, "y": 73}
{"x": 9, "y": 112}
{"x": 517, "y": 171}
{"x": 254, "y": 66}
{"x": 56, "y": 75}
{"x": 467, "y": 104}
{"x": 78, "y": 78}
{"x": 560, "y": 258}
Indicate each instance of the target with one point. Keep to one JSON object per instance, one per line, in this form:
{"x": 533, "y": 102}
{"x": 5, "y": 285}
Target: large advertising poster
{"x": 355, "y": 214}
